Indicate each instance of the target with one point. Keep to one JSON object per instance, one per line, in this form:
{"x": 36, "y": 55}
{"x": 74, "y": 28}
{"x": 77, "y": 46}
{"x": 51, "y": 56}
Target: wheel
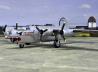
{"x": 21, "y": 45}
{"x": 57, "y": 44}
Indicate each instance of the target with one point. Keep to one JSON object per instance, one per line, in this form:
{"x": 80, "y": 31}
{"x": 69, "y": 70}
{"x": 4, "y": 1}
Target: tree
{"x": 1, "y": 32}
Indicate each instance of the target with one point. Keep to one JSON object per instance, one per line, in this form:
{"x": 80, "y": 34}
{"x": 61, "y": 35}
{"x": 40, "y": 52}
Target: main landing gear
{"x": 57, "y": 43}
{"x": 21, "y": 45}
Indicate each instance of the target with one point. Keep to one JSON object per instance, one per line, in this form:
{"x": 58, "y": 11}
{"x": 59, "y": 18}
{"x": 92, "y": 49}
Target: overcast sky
{"x": 47, "y": 11}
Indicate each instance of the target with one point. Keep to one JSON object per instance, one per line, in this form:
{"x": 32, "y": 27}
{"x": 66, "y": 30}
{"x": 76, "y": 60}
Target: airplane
{"x": 43, "y": 33}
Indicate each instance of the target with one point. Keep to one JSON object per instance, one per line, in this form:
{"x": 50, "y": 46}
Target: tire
{"x": 57, "y": 44}
{"x": 21, "y": 45}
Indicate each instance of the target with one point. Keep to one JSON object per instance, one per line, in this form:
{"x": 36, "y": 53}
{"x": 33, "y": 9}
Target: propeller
{"x": 41, "y": 32}
{"x": 59, "y": 33}
{"x": 62, "y": 19}
{"x": 62, "y": 32}
{"x": 4, "y": 28}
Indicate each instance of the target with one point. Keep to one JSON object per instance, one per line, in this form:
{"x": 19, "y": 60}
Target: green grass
{"x": 82, "y": 34}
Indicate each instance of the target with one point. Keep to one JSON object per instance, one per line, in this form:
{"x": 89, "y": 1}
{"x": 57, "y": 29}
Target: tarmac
{"x": 79, "y": 54}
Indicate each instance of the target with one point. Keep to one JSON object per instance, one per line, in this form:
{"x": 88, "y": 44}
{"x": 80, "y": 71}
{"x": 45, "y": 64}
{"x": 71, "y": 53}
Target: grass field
{"x": 79, "y": 54}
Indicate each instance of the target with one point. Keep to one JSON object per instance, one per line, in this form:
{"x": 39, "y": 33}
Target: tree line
{"x": 1, "y": 31}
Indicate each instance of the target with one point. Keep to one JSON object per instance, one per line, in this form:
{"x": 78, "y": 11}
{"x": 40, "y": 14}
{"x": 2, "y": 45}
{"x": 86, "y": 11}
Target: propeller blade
{"x": 62, "y": 20}
{"x": 41, "y": 37}
{"x": 63, "y": 26}
{"x": 45, "y": 30}
{"x": 63, "y": 37}
{"x": 62, "y": 32}
{"x": 37, "y": 28}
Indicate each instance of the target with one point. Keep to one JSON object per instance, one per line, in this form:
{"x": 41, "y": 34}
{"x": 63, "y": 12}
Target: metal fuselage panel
{"x": 35, "y": 37}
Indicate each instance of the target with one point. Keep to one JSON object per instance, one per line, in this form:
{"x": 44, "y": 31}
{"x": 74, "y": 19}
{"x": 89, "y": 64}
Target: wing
{"x": 93, "y": 33}
{"x": 84, "y": 30}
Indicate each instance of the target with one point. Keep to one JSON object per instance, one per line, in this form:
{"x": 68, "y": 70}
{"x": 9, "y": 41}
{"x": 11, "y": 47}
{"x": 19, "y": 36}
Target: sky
{"x": 27, "y": 12}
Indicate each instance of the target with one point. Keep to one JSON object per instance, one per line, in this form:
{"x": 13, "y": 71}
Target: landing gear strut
{"x": 57, "y": 44}
{"x": 21, "y": 45}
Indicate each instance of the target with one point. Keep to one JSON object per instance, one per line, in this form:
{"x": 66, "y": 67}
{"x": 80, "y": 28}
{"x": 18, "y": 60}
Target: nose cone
{"x": 68, "y": 32}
